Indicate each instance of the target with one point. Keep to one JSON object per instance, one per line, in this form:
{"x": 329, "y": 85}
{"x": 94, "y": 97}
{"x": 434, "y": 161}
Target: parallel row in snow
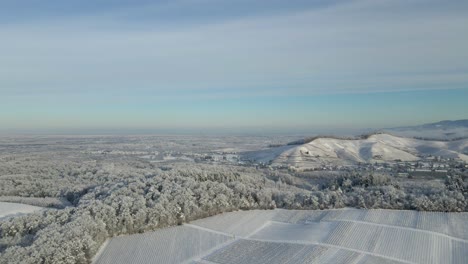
{"x": 451, "y": 224}
{"x": 405, "y": 236}
{"x": 291, "y": 236}
{"x": 240, "y": 223}
{"x": 169, "y": 245}
{"x": 408, "y": 245}
{"x": 252, "y": 251}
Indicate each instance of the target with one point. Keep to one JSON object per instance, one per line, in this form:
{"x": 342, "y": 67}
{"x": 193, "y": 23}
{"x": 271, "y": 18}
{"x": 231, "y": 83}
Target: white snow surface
{"x": 378, "y": 147}
{"x": 8, "y": 210}
{"x": 301, "y": 236}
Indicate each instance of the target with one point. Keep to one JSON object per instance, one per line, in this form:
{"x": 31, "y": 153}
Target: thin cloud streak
{"x": 52, "y": 66}
{"x": 286, "y": 51}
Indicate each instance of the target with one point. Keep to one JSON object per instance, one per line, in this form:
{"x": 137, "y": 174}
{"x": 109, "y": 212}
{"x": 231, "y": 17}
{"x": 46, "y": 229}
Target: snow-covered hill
{"x": 379, "y": 147}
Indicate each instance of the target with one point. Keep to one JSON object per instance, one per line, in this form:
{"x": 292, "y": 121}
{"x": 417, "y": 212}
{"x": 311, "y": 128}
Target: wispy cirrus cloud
{"x": 211, "y": 49}
{"x": 351, "y": 46}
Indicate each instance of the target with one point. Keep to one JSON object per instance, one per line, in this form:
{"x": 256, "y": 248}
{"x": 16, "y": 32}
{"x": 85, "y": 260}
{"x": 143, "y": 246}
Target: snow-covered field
{"x": 379, "y": 147}
{"x": 168, "y": 245}
{"x": 13, "y": 209}
{"x": 292, "y": 236}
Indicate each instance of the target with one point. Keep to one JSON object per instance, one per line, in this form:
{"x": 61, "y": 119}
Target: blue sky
{"x": 242, "y": 65}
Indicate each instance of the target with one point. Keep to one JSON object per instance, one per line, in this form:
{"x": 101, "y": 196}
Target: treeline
{"x": 52, "y": 202}
{"x": 141, "y": 201}
{"x": 379, "y": 191}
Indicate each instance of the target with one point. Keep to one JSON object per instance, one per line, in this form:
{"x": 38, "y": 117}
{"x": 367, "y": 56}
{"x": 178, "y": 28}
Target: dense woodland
{"x": 95, "y": 200}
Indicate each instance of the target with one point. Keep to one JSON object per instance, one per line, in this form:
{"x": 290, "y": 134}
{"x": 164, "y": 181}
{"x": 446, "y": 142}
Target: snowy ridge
{"x": 375, "y": 148}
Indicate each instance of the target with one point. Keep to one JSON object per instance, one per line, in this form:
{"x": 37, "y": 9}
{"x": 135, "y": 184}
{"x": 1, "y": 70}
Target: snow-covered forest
{"x": 96, "y": 188}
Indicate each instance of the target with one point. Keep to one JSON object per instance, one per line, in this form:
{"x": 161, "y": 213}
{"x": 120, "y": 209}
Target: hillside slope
{"x": 375, "y": 148}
